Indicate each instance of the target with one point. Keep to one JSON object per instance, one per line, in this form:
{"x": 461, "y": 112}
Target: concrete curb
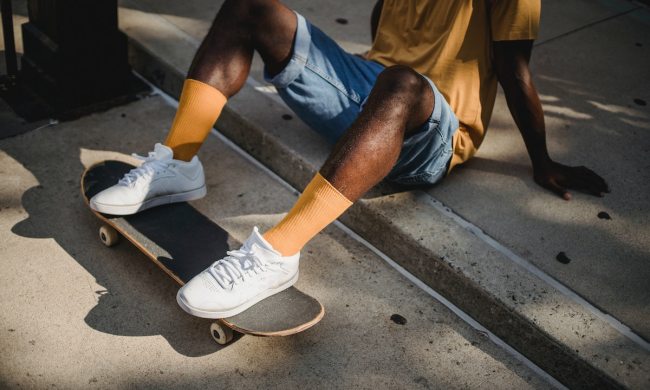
{"x": 559, "y": 335}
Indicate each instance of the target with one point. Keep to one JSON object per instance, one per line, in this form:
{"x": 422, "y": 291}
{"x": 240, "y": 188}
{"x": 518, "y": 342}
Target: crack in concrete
{"x": 586, "y": 26}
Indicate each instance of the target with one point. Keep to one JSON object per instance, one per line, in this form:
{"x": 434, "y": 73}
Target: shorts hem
{"x": 298, "y": 60}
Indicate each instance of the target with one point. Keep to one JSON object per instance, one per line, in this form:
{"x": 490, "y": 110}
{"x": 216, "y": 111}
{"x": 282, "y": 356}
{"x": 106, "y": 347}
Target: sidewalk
{"x": 491, "y": 245}
{"x": 487, "y": 237}
{"x": 76, "y": 314}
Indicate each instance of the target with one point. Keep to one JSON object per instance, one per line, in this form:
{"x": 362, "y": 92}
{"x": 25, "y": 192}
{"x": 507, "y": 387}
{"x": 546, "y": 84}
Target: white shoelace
{"x": 149, "y": 167}
{"x": 235, "y": 267}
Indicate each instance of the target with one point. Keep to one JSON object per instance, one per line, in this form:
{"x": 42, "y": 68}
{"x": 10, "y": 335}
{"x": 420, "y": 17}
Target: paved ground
{"x": 594, "y": 117}
{"x": 586, "y": 102}
{"x": 591, "y": 67}
{"x": 76, "y": 314}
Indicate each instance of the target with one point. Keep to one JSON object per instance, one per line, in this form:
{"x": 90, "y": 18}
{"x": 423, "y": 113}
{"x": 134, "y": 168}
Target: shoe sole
{"x": 149, "y": 203}
{"x": 236, "y": 310}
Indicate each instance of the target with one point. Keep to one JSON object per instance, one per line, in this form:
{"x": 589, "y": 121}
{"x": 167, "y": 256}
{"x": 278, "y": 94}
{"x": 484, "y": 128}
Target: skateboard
{"x": 183, "y": 242}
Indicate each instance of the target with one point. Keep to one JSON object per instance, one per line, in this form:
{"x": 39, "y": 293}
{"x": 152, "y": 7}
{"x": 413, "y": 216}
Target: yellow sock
{"x": 318, "y": 206}
{"x": 198, "y": 109}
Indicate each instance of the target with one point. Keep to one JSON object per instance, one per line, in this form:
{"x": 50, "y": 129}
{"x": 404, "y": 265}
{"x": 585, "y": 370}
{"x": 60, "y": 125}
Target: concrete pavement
{"x": 76, "y": 314}
{"x": 490, "y": 246}
{"x": 502, "y": 257}
{"x": 591, "y": 119}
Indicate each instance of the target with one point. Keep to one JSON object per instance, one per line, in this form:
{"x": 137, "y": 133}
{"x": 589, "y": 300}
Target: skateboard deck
{"x": 183, "y": 242}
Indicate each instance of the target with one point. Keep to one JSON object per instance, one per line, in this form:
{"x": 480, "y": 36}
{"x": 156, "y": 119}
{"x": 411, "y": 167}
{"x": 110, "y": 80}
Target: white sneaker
{"x": 239, "y": 280}
{"x": 159, "y": 180}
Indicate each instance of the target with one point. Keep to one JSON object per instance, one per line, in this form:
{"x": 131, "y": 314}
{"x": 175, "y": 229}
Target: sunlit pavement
{"x": 76, "y": 314}
{"x": 590, "y": 65}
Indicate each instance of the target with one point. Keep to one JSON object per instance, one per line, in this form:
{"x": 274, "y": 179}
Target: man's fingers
{"x": 558, "y": 189}
{"x": 599, "y": 184}
{"x": 591, "y": 185}
{"x": 591, "y": 182}
{"x": 559, "y": 178}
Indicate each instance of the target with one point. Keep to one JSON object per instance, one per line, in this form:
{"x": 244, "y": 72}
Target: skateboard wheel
{"x": 220, "y": 333}
{"x": 108, "y": 235}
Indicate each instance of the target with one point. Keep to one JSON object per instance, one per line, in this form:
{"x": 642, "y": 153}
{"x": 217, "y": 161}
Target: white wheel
{"x": 220, "y": 333}
{"x": 108, "y": 235}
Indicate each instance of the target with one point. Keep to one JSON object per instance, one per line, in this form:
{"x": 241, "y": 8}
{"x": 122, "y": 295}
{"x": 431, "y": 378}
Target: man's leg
{"x": 399, "y": 103}
{"x": 172, "y": 172}
{"x": 222, "y": 64}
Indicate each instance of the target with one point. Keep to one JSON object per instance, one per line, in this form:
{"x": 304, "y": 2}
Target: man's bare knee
{"x": 403, "y": 80}
{"x": 406, "y": 92}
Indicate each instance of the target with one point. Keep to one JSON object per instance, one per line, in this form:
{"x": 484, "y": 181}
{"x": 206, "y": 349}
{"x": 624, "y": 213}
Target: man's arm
{"x": 511, "y": 60}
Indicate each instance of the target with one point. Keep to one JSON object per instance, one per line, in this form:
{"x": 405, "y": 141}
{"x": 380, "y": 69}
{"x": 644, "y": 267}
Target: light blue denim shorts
{"x": 326, "y": 87}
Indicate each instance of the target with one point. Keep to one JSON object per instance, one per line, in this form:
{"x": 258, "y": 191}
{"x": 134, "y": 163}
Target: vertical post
{"x": 75, "y": 57}
{"x": 8, "y": 31}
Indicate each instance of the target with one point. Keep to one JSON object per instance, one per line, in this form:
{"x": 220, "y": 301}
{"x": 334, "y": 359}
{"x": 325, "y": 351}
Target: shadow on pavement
{"x": 134, "y": 298}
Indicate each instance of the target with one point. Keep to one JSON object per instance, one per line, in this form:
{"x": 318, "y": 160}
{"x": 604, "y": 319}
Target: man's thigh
{"x": 322, "y": 83}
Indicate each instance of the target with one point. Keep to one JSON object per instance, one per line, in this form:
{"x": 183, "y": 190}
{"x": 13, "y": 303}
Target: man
{"x": 417, "y": 106}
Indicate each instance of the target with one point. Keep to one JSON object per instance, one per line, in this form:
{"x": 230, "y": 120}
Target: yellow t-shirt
{"x": 449, "y": 41}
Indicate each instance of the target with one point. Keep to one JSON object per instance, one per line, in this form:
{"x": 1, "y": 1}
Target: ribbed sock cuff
{"x": 318, "y": 206}
{"x": 198, "y": 109}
